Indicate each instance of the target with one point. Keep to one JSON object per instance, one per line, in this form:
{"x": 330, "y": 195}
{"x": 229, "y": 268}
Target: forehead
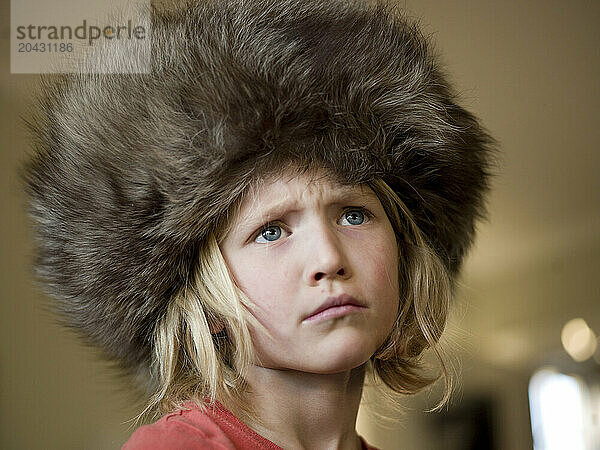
{"x": 296, "y": 188}
{"x": 276, "y": 194}
{"x": 304, "y": 186}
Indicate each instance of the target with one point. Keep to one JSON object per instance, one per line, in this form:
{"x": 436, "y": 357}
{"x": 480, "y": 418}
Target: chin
{"x": 345, "y": 358}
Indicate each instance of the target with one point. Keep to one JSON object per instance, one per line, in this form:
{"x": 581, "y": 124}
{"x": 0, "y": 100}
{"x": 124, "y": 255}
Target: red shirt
{"x": 191, "y": 429}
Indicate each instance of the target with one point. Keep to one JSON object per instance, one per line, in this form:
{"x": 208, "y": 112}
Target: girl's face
{"x": 301, "y": 246}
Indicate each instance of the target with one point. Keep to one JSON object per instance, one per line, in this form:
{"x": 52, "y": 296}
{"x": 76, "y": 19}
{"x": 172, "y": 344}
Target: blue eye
{"x": 354, "y": 217}
{"x": 269, "y": 234}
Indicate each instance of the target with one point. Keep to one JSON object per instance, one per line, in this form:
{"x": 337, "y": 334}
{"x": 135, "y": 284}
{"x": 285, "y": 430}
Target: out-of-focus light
{"x": 557, "y": 411}
{"x": 579, "y": 340}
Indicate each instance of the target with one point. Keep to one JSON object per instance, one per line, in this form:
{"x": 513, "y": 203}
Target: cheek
{"x": 383, "y": 267}
{"x": 265, "y": 288}
{"x": 385, "y": 287}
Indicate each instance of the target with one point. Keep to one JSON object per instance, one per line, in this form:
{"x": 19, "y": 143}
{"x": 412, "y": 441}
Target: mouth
{"x": 334, "y": 307}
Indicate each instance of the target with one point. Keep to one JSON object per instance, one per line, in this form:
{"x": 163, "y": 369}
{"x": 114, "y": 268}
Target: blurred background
{"x": 526, "y": 320}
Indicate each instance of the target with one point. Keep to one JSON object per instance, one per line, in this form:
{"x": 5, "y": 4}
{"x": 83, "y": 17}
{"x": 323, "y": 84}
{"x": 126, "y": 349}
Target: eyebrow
{"x": 344, "y": 194}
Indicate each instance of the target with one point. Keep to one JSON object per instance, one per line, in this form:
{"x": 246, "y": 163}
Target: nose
{"x": 326, "y": 257}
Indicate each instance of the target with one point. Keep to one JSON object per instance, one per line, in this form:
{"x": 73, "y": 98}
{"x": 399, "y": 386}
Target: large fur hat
{"x": 130, "y": 172}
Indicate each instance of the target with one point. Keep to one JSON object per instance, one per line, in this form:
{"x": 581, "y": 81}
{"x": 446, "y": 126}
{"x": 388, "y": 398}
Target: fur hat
{"x": 131, "y": 171}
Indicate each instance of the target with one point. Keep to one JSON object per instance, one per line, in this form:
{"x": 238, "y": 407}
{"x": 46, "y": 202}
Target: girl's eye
{"x": 271, "y": 233}
{"x": 268, "y": 234}
{"x": 353, "y": 217}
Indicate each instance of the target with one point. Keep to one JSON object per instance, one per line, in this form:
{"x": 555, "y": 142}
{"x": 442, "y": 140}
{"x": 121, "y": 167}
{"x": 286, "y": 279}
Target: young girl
{"x": 279, "y": 208}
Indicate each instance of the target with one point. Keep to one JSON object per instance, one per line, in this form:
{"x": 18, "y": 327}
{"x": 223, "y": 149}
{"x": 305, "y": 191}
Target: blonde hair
{"x": 425, "y": 295}
{"x": 193, "y": 364}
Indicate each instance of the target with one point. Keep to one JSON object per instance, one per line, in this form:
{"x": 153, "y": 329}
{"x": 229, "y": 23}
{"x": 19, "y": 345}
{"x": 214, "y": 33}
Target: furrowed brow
{"x": 257, "y": 216}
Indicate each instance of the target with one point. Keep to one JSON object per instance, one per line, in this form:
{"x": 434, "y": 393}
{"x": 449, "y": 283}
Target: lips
{"x": 334, "y": 307}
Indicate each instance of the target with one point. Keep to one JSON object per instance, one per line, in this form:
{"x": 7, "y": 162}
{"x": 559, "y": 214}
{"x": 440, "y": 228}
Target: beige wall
{"x": 530, "y": 70}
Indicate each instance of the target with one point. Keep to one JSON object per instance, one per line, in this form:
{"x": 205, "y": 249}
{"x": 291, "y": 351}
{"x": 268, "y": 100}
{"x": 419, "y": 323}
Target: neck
{"x": 302, "y": 410}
